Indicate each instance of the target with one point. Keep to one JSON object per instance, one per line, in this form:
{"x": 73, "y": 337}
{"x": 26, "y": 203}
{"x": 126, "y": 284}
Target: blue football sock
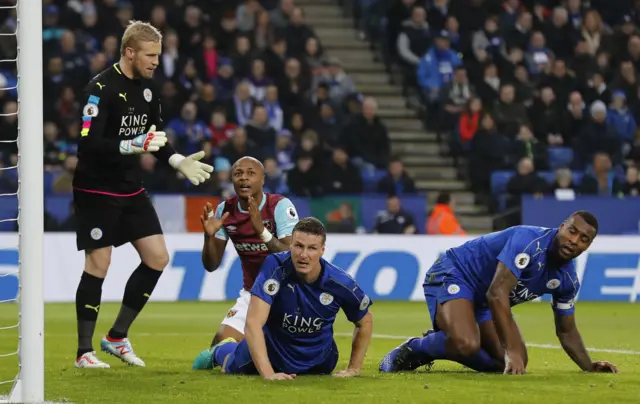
{"x": 434, "y": 346}
{"x": 221, "y": 352}
{"x": 480, "y": 362}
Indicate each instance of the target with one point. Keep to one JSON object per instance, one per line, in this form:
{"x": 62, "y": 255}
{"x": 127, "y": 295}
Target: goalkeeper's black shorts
{"x": 104, "y": 220}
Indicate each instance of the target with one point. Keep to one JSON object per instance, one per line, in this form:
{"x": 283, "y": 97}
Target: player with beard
{"x": 470, "y": 290}
{"x": 258, "y": 224}
{"x": 119, "y": 123}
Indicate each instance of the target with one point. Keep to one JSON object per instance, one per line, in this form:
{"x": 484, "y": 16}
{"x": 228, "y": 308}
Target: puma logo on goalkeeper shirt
{"x": 123, "y": 96}
{"x": 90, "y": 307}
{"x": 100, "y": 85}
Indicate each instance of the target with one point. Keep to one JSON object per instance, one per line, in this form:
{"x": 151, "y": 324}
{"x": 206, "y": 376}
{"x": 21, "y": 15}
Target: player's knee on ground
{"x": 464, "y": 345}
{"x": 97, "y": 262}
{"x": 227, "y": 332}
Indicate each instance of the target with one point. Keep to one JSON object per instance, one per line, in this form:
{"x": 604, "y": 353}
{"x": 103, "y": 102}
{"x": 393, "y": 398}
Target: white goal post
{"x": 29, "y": 385}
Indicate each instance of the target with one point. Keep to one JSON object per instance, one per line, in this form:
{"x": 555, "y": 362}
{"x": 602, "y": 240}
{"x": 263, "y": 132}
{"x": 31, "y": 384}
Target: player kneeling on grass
{"x": 294, "y": 303}
{"x": 470, "y": 290}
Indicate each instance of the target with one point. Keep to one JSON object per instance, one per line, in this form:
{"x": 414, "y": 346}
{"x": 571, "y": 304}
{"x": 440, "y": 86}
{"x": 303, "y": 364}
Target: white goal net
{"x": 21, "y": 264}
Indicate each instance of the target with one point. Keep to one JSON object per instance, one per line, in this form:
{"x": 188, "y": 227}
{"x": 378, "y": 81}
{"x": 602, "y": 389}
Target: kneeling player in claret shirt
{"x": 257, "y": 223}
{"x": 294, "y": 303}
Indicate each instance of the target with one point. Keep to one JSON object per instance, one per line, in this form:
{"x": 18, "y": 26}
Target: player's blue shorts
{"x": 445, "y": 282}
{"x": 240, "y": 362}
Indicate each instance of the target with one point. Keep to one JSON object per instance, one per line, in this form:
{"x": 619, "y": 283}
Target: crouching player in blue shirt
{"x": 294, "y": 302}
{"x": 469, "y": 293}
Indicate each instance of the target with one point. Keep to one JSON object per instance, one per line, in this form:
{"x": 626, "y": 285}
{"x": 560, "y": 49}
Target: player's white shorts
{"x": 237, "y": 316}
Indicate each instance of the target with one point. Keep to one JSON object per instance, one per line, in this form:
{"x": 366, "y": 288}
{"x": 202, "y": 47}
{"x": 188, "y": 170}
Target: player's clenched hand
{"x": 210, "y": 224}
{"x": 604, "y": 367}
{"x": 514, "y": 364}
{"x": 280, "y": 376}
{"x": 190, "y": 166}
{"x": 147, "y": 143}
{"x": 347, "y": 373}
{"x": 256, "y": 217}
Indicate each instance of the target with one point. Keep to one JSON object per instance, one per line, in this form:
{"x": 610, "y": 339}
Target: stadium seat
{"x": 559, "y": 157}
{"x": 548, "y": 176}
{"x": 370, "y": 179}
{"x": 577, "y": 177}
{"x": 499, "y": 181}
{"x": 48, "y": 179}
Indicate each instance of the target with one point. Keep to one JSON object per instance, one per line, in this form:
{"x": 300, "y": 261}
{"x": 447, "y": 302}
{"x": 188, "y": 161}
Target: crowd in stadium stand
{"x": 537, "y": 95}
{"x": 236, "y": 79}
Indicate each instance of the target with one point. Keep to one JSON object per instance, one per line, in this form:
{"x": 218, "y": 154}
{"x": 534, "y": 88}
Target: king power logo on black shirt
{"x": 133, "y": 125}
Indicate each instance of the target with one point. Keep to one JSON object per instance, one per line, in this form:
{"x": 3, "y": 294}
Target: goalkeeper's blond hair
{"x": 136, "y": 32}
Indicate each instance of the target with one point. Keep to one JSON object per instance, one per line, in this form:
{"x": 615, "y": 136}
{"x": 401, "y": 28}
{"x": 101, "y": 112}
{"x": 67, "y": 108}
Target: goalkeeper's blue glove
{"x": 150, "y": 142}
{"x": 191, "y": 168}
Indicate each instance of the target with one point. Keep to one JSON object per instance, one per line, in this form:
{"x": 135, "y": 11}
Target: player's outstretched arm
{"x": 498, "y": 300}
{"x": 571, "y": 342}
{"x": 256, "y": 318}
{"x": 359, "y": 345}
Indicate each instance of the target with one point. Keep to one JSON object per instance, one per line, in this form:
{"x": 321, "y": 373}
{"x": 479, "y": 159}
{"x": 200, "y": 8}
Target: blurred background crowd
{"x": 536, "y": 97}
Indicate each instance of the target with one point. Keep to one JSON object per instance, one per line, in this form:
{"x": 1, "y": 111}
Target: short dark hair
{"x": 588, "y": 217}
{"x": 311, "y": 225}
{"x": 444, "y": 198}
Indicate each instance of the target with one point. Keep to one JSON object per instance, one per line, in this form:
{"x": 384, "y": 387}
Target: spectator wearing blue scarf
{"x": 274, "y": 110}
{"x": 621, "y": 119}
{"x": 436, "y": 67}
{"x": 537, "y": 57}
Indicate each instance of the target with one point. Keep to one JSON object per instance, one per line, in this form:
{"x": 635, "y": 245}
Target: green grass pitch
{"x": 169, "y": 335}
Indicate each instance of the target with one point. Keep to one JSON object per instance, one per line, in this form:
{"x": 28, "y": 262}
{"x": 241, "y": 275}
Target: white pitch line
{"x": 337, "y": 334}
{"x": 543, "y": 346}
{"x": 5, "y": 399}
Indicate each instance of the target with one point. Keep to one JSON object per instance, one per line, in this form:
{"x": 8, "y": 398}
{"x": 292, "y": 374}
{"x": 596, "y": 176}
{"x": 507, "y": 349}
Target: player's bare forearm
{"x": 212, "y": 253}
{"x": 258, "y": 349}
{"x": 256, "y": 318}
{"x": 361, "y": 340}
{"x": 498, "y": 301}
{"x": 571, "y": 341}
{"x": 278, "y": 245}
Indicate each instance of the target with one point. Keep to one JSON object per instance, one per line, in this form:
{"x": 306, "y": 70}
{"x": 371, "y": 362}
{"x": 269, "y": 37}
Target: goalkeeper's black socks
{"x": 88, "y": 298}
{"x": 138, "y": 290}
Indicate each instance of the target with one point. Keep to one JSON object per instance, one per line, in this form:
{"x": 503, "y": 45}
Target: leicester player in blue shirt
{"x": 294, "y": 303}
{"x": 471, "y": 289}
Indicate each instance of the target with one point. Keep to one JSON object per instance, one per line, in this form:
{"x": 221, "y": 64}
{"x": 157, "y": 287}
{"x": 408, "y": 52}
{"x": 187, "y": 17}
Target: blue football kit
{"x": 466, "y": 272}
{"x": 299, "y": 330}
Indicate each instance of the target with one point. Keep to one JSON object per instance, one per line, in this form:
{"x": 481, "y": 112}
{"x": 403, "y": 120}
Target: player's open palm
{"x": 347, "y": 373}
{"x": 280, "y": 376}
{"x": 604, "y": 367}
{"x": 256, "y": 217}
{"x": 514, "y": 364}
{"x": 210, "y": 224}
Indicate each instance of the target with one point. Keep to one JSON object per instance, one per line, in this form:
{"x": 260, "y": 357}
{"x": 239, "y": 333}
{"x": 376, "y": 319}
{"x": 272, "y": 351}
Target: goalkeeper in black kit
{"x": 121, "y": 119}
